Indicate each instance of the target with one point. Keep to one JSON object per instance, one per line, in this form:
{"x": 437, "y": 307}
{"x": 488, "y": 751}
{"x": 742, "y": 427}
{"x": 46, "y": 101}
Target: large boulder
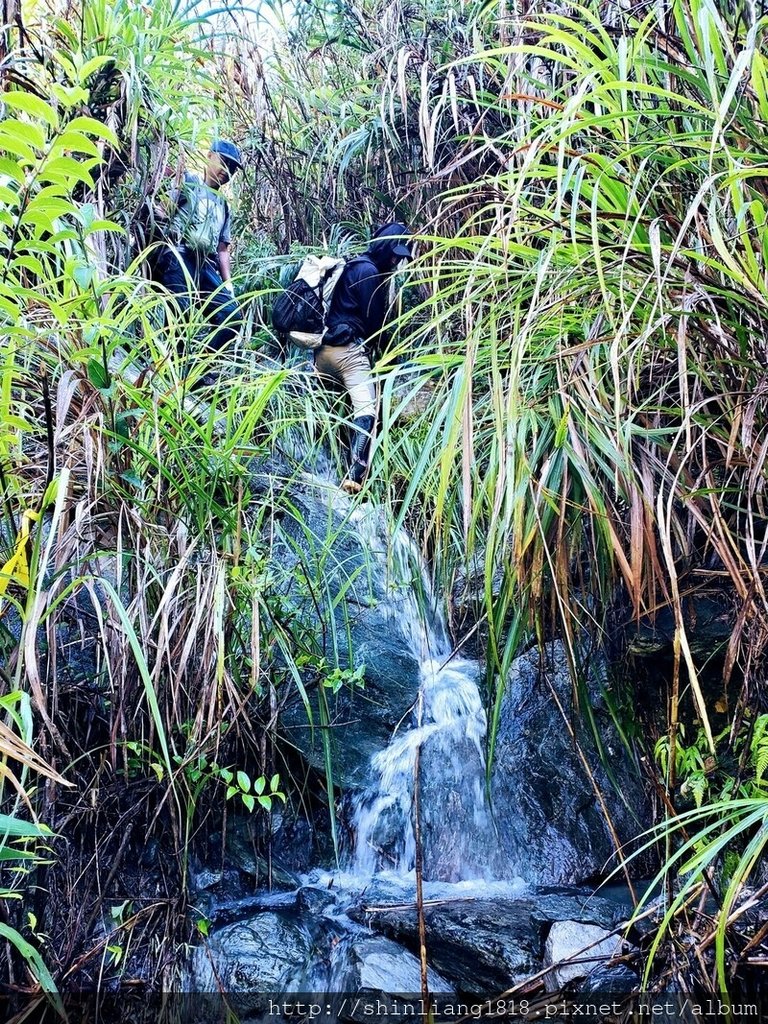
{"x": 552, "y": 827}
{"x": 485, "y": 945}
{"x": 257, "y": 956}
{"x": 301, "y": 942}
{"x": 573, "y": 948}
{"x": 379, "y": 966}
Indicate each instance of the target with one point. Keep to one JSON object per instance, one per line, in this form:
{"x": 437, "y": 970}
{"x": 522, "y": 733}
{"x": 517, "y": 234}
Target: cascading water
{"x": 445, "y": 731}
{"x": 440, "y": 739}
{"x": 357, "y": 929}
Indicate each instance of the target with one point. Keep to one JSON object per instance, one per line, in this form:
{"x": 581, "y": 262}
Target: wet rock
{"x": 241, "y": 855}
{"x": 580, "y": 945}
{"x": 243, "y": 884}
{"x": 295, "y": 841}
{"x": 336, "y": 588}
{"x": 485, "y": 945}
{"x": 202, "y": 878}
{"x": 377, "y": 965}
{"x": 551, "y": 826}
{"x": 228, "y": 910}
{"x": 612, "y": 978}
{"x": 257, "y": 956}
{"x": 314, "y": 901}
{"x": 647, "y": 924}
{"x": 709, "y": 619}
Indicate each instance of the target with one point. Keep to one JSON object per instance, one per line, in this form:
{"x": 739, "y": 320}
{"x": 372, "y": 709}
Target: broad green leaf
{"x": 93, "y": 65}
{"x": 249, "y": 801}
{"x": 29, "y": 263}
{"x": 83, "y": 276}
{"x": 64, "y": 235}
{"x": 93, "y": 127}
{"x": 69, "y": 95}
{"x": 11, "y": 169}
{"x": 75, "y": 142}
{"x": 60, "y": 57}
{"x": 8, "y": 196}
{"x": 105, "y": 225}
{"x": 11, "y": 826}
{"x": 32, "y": 105}
{"x": 98, "y": 375}
{"x": 243, "y": 781}
{"x": 48, "y": 208}
{"x": 36, "y": 247}
{"x": 67, "y": 169}
{"x": 11, "y": 143}
{"x": 32, "y": 134}
{"x": 11, "y": 422}
{"x": 57, "y": 191}
{"x": 86, "y": 214}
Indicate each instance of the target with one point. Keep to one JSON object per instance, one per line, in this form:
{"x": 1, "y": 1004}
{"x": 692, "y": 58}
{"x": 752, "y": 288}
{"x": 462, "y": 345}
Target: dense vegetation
{"x": 575, "y": 408}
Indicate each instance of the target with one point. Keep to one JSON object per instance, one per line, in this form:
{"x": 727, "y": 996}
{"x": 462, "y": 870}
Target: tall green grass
{"x": 125, "y": 484}
{"x": 581, "y": 418}
{"x": 579, "y": 422}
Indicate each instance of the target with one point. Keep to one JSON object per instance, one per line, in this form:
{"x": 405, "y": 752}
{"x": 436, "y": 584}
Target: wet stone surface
{"x": 484, "y": 945}
{"x": 327, "y": 937}
{"x": 551, "y": 825}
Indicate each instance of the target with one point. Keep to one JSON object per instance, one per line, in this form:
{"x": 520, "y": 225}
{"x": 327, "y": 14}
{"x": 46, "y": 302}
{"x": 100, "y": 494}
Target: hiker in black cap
{"x": 353, "y": 334}
{"x": 195, "y": 262}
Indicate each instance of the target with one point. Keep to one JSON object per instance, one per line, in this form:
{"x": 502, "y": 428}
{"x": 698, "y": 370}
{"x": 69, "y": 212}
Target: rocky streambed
{"x": 511, "y": 853}
{"x": 505, "y": 854}
{"x": 337, "y": 934}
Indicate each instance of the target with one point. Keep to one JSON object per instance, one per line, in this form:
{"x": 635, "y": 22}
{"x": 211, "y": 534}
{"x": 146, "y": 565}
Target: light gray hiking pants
{"x": 348, "y": 367}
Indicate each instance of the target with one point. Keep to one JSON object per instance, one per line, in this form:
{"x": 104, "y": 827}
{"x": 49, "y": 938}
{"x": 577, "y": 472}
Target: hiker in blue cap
{"x": 194, "y": 264}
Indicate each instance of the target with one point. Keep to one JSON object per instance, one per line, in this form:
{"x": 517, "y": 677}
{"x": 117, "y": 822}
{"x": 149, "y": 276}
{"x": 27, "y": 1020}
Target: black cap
{"x": 392, "y": 238}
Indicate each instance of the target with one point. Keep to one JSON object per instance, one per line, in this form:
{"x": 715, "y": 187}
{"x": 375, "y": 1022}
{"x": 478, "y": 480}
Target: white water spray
{"x": 447, "y": 724}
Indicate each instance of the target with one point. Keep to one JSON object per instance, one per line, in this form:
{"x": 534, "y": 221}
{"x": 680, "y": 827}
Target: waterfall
{"x": 447, "y": 725}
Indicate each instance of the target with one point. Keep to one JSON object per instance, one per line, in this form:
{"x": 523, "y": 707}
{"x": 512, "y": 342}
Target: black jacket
{"x": 359, "y": 302}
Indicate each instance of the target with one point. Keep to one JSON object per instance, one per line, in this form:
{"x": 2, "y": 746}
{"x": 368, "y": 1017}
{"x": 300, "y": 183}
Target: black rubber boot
{"x": 359, "y": 449}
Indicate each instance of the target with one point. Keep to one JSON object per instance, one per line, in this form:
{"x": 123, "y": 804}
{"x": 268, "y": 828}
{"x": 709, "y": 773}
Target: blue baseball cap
{"x": 229, "y": 151}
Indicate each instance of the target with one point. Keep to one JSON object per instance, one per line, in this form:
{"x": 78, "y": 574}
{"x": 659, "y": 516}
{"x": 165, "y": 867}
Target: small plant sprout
{"x": 251, "y": 793}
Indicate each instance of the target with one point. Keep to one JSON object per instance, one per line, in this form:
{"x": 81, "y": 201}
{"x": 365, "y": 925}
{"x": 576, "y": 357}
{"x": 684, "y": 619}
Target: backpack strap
{"x": 324, "y": 280}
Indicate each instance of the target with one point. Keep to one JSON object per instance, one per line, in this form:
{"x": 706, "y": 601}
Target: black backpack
{"x": 300, "y": 310}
